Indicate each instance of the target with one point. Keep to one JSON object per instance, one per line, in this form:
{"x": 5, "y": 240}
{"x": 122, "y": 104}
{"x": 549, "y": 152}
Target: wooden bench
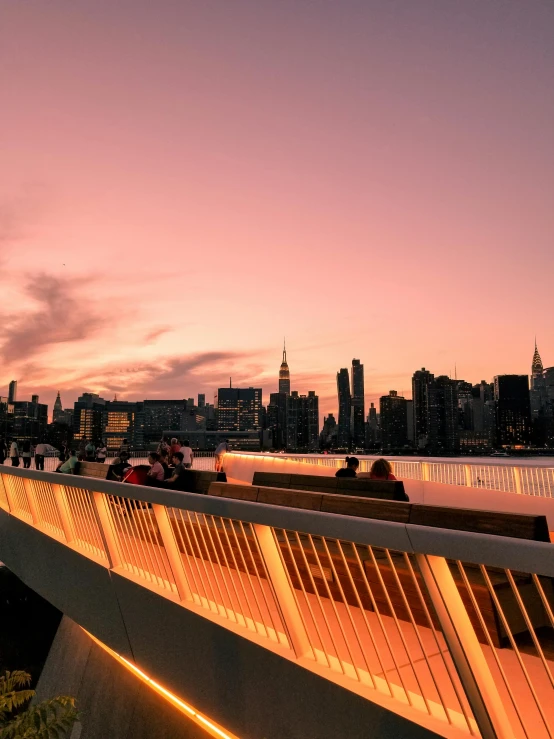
{"x": 92, "y": 469}
{"x": 198, "y": 481}
{"x": 519, "y": 526}
{"x": 360, "y": 487}
{"x": 487, "y": 522}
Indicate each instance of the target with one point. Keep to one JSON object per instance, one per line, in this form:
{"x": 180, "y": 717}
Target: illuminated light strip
{"x": 210, "y": 726}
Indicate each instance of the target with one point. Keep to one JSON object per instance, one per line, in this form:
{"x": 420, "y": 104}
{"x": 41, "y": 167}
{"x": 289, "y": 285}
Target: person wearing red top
{"x": 174, "y": 448}
{"x": 381, "y": 469}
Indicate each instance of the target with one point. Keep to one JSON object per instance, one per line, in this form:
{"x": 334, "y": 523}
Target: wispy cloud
{"x": 60, "y": 315}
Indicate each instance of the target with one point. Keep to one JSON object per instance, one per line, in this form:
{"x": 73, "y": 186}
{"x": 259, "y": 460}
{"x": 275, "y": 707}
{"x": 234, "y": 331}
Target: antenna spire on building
{"x": 536, "y": 366}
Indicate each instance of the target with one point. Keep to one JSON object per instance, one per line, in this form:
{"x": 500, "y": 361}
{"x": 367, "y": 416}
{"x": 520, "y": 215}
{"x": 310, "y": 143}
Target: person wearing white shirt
{"x": 14, "y": 454}
{"x": 40, "y": 452}
{"x": 188, "y": 456}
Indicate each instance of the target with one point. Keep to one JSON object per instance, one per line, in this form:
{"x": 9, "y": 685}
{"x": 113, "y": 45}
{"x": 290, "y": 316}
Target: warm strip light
{"x": 210, "y": 726}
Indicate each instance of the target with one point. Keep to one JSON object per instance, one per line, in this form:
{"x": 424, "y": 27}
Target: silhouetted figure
{"x": 351, "y": 469}
{"x": 14, "y": 454}
{"x": 26, "y": 453}
{"x": 40, "y": 453}
{"x": 381, "y": 469}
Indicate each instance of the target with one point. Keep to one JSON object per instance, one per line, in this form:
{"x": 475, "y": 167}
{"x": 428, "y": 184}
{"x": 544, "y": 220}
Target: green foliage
{"x": 52, "y": 719}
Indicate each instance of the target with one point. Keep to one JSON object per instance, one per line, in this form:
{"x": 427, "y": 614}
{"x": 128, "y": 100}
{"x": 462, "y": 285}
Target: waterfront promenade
{"x": 449, "y": 630}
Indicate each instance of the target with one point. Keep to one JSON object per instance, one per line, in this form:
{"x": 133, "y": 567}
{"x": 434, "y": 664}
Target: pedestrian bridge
{"x": 264, "y": 621}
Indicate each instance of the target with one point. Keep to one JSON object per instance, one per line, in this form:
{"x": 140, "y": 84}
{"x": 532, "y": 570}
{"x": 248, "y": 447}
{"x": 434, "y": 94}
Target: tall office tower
{"x": 410, "y": 416}
{"x": 345, "y": 404}
{"x": 358, "y": 404}
{"x": 118, "y": 423}
{"x": 277, "y": 419}
{"x": 58, "y": 410}
{"x": 538, "y": 393}
{"x": 465, "y": 405}
{"x": 513, "y": 410}
{"x": 284, "y": 374}
{"x": 12, "y": 392}
{"x": 302, "y": 421}
{"x": 201, "y": 400}
{"x": 443, "y": 429}
{"x": 87, "y": 417}
{"x": 6, "y": 418}
{"x": 394, "y": 420}
{"x": 328, "y": 436}
{"x": 239, "y": 409}
{"x": 30, "y": 420}
{"x": 373, "y": 432}
{"x": 421, "y": 381}
{"x": 157, "y": 418}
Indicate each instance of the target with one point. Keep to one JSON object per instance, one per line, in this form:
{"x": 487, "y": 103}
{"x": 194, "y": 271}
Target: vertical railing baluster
{"x": 172, "y": 551}
{"x": 30, "y": 495}
{"x": 63, "y": 510}
{"x": 517, "y": 480}
{"x": 466, "y": 652}
{"x": 103, "y": 519}
{"x": 284, "y": 592}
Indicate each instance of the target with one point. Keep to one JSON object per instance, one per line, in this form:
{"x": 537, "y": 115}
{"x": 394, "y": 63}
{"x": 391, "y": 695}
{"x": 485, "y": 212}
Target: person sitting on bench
{"x": 381, "y": 469}
{"x": 351, "y": 469}
{"x": 119, "y": 468}
{"x": 69, "y": 467}
{"x": 177, "y": 471}
{"x": 156, "y": 472}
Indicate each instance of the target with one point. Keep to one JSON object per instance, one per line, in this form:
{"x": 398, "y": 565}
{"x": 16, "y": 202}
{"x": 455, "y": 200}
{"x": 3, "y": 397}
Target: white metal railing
{"x": 464, "y": 641}
{"x": 202, "y": 461}
{"x": 524, "y": 479}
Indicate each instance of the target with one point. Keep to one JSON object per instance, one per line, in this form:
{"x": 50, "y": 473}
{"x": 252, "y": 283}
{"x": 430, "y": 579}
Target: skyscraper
{"x": 303, "y": 421}
{"x": 538, "y": 393}
{"x": 58, "y": 411}
{"x": 12, "y": 392}
{"x": 284, "y": 374}
{"x": 118, "y": 423}
{"x": 443, "y": 433}
{"x": 421, "y": 381}
{"x": 513, "y": 410}
{"x": 394, "y": 420}
{"x": 239, "y": 409}
{"x": 358, "y": 404}
{"x": 277, "y": 419}
{"x": 87, "y": 417}
{"x": 345, "y": 405}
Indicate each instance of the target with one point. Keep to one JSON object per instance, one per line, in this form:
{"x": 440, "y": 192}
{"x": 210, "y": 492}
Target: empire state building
{"x": 284, "y": 374}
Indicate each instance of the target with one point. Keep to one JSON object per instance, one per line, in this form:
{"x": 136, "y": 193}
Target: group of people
{"x": 11, "y": 449}
{"x": 381, "y": 469}
{"x": 167, "y": 465}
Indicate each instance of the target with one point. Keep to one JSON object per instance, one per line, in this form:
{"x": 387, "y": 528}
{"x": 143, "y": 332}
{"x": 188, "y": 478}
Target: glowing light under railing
{"x": 207, "y": 724}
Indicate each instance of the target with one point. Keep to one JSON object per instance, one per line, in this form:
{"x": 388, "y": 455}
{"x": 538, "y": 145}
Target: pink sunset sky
{"x": 184, "y": 183}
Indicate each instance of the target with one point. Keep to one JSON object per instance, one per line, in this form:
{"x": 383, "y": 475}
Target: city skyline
{"x": 330, "y": 404}
{"x": 361, "y": 161}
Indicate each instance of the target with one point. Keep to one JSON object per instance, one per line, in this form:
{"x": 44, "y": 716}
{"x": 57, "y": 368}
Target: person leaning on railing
{"x": 220, "y": 452}
{"x": 381, "y": 469}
